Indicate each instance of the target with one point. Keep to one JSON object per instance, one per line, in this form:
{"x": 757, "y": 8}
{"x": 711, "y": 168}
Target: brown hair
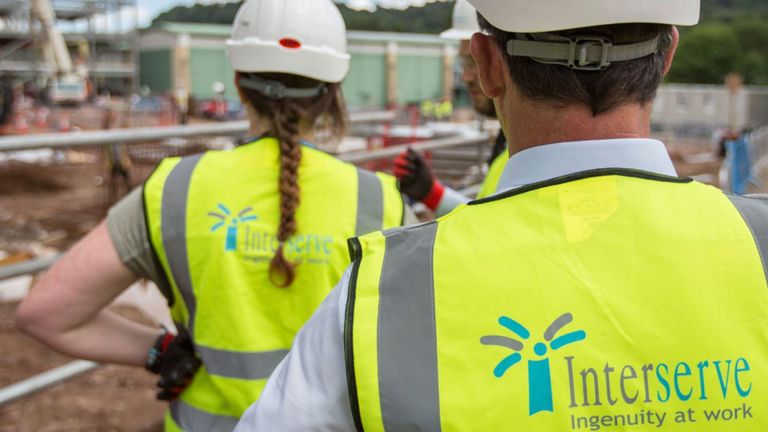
{"x": 634, "y": 81}
{"x": 325, "y": 113}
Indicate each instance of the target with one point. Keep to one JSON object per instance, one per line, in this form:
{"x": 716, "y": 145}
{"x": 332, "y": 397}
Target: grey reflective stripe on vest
{"x": 407, "y": 342}
{"x": 191, "y": 419}
{"x": 174, "y": 230}
{"x": 755, "y": 213}
{"x": 232, "y": 364}
{"x": 241, "y": 365}
{"x": 370, "y": 203}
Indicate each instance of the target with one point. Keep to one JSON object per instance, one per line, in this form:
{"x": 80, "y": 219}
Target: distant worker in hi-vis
{"x": 600, "y": 292}
{"x": 245, "y": 244}
{"x": 416, "y": 177}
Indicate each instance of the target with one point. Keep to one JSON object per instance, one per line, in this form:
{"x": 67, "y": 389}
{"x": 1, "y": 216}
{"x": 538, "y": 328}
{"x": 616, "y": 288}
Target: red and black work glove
{"x": 174, "y": 359}
{"x": 417, "y": 180}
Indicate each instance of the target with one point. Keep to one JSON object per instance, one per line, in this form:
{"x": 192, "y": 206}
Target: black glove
{"x": 414, "y": 174}
{"x": 174, "y": 359}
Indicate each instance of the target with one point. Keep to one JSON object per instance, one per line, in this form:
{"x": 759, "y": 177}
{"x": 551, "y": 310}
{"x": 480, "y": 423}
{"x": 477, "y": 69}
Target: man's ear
{"x": 490, "y": 64}
{"x": 669, "y": 57}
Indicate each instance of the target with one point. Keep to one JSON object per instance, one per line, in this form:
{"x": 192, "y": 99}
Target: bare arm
{"x": 66, "y": 307}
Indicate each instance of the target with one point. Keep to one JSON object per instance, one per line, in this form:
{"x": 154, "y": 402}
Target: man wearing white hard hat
{"x": 600, "y": 291}
{"x": 415, "y": 175}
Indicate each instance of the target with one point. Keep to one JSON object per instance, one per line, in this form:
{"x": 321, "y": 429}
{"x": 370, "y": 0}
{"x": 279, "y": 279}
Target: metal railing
{"x": 42, "y": 264}
{"x": 44, "y": 380}
{"x": 27, "y": 267}
{"x": 151, "y": 134}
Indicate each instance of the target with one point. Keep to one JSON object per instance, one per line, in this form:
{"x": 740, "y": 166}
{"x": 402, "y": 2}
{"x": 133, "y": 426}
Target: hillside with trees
{"x": 431, "y": 18}
{"x": 732, "y": 35}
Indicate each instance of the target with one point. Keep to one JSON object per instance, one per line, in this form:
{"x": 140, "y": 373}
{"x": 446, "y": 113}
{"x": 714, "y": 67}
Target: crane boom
{"x": 42, "y": 10}
{"x": 66, "y": 86}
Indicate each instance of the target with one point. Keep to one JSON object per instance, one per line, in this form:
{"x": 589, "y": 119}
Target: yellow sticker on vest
{"x": 587, "y": 205}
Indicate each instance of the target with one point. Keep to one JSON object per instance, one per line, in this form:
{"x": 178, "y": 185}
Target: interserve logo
{"x": 539, "y": 376}
{"x": 232, "y": 222}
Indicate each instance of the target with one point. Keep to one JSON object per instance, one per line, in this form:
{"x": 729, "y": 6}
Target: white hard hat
{"x": 464, "y": 22}
{"x": 537, "y": 16}
{"x": 299, "y": 37}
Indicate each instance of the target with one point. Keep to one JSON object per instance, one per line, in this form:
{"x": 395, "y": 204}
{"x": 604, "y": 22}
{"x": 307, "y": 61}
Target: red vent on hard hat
{"x": 290, "y": 43}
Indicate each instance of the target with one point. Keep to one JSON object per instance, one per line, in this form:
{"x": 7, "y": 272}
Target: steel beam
{"x": 391, "y": 152}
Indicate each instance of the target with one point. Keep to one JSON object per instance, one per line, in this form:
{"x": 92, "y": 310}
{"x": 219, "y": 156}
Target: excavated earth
{"x": 110, "y": 399}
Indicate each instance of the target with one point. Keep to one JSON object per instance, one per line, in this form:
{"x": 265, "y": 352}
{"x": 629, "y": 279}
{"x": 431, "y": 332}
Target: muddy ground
{"x": 110, "y": 399}
{"x": 52, "y": 204}
{"x": 46, "y": 208}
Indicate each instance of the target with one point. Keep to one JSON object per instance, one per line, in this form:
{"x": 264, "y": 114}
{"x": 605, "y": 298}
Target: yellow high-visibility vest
{"x": 427, "y": 108}
{"x": 213, "y": 221}
{"x": 443, "y": 109}
{"x": 492, "y": 177}
{"x": 612, "y": 300}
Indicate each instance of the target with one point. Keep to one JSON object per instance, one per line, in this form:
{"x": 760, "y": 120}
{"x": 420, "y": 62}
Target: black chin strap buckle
{"x": 276, "y": 90}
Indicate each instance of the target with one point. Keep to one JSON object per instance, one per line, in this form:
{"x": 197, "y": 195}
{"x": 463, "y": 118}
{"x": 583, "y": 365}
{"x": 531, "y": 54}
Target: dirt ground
{"x": 44, "y": 209}
{"x": 110, "y": 399}
{"x": 694, "y": 158}
{"x": 49, "y": 205}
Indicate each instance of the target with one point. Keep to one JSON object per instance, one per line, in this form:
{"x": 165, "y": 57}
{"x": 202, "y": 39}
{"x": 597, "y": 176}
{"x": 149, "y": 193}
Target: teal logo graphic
{"x": 539, "y": 376}
{"x": 231, "y": 222}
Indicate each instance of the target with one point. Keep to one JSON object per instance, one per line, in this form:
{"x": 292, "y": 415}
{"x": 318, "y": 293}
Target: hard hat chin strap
{"x": 277, "y": 90}
{"x": 582, "y": 53}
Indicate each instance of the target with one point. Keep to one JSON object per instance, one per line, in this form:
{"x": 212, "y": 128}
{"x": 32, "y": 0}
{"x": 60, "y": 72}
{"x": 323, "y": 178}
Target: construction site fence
{"x": 152, "y": 134}
{"x": 745, "y": 167}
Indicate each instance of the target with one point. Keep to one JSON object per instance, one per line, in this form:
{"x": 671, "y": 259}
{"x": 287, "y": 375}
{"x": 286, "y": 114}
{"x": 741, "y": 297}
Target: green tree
{"x": 705, "y": 55}
{"x": 431, "y": 18}
{"x": 753, "y": 35}
{"x": 708, "y": 52}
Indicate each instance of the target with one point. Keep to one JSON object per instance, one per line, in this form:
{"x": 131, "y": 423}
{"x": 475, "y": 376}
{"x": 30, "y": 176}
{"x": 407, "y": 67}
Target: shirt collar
{"x": 550, "y": 161}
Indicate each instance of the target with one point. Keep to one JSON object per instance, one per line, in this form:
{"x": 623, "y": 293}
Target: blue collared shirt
{"x": 550, "y": 161}
{"x": 308, "y": 390}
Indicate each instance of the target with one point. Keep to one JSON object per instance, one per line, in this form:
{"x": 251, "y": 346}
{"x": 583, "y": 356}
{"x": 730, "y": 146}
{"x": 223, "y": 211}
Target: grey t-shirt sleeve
{"x": 128, "y": 231}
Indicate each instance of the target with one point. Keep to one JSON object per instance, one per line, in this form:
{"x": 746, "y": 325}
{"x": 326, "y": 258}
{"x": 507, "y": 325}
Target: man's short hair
{"x": 633, "y": 81}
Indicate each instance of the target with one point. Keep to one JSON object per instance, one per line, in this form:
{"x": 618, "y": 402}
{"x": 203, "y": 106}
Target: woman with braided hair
{"x": 288, "y": 116}
{"x": 245, "y": 244}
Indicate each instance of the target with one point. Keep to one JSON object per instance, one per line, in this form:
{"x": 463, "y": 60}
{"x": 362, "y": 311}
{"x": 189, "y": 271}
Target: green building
{"x": 386, "y": 69}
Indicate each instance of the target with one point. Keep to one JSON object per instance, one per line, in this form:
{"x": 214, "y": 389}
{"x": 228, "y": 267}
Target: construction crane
{"x": 65, "y": 86}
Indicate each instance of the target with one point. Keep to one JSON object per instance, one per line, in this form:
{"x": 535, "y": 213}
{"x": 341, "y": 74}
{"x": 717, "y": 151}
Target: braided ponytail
{"x": 282, "y": 272}
{"x": 325, "y": 113}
